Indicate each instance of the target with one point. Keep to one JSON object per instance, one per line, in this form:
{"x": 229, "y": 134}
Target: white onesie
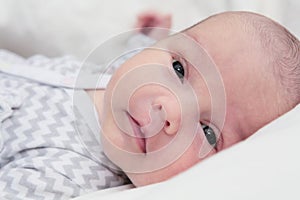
{"x": 43, "y": 136}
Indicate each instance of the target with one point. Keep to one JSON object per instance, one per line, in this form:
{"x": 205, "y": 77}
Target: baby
{"x": 243, "y": 70}
{"x": 170, "y": 106}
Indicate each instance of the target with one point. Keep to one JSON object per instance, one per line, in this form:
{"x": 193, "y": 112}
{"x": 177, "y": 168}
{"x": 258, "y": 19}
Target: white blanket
{"x": 265, "y": 166}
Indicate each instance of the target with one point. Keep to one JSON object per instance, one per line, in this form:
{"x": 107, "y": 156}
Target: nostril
{"x": 157, "y": 106}
{"x": 169, "y": 128}
{"x": 167, "y": 123}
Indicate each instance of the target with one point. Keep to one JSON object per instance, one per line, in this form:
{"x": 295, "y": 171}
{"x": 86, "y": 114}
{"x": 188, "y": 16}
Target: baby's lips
{"x": 157, "y": 121}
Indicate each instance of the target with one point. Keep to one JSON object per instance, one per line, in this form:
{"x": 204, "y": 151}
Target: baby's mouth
{"x": 139, "y": 136}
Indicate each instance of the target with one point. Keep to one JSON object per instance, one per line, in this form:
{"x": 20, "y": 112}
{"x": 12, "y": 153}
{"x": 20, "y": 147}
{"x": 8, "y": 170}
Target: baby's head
{"x": 243, "y": 70}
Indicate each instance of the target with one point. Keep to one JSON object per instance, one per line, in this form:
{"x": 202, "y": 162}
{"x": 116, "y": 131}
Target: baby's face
{"x": 181, "y": 101}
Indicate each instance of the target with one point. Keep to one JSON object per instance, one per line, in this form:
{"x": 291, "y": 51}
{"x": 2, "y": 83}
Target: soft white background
{"x": 57, "y": 27}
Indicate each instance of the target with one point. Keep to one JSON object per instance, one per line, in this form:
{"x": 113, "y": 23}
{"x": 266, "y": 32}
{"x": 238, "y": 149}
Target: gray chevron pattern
{"x": 63, "y": 65}
{"x": 42, "y": 155}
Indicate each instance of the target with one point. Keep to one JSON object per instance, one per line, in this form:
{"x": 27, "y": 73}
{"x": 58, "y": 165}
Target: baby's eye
{"x": 209, "y": 134}
{"x": 179, "y": 69}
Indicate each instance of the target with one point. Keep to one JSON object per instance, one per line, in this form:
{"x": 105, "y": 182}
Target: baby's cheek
{"x": 112, "y": 137}
{"x": 188, "y": 159}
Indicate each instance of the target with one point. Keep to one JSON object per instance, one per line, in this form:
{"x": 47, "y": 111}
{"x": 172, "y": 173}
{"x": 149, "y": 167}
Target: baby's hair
{"x": 282, "y": 49}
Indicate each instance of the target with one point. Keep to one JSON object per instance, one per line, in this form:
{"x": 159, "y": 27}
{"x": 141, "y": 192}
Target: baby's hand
{"x": 150, "y": 19}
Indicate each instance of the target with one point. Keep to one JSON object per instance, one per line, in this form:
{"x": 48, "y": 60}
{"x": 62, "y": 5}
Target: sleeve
{"x": 140, "y": 40}
{"x": 135, "y": 44}
{"x": 53, "y": 174}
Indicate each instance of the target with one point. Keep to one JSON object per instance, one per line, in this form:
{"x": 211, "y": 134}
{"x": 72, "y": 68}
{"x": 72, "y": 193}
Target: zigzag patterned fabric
{"x": 41, "y": 155}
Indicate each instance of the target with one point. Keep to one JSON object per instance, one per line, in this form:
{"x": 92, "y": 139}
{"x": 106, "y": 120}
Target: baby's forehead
{"x": 228, "y": 24}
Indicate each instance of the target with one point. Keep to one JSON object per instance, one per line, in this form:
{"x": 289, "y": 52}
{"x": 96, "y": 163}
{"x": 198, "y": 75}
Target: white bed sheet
{"x": 266, "y": 166}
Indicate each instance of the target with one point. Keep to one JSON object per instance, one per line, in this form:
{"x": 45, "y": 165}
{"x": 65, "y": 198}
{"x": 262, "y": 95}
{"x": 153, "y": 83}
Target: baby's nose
{"x": 157, "y": 121}
{"x": 162, "y": 117}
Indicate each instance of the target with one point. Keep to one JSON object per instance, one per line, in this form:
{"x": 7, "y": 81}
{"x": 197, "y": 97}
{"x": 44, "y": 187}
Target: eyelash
{"x": 215, "y": 140}
{"x": 182, "y": 62}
